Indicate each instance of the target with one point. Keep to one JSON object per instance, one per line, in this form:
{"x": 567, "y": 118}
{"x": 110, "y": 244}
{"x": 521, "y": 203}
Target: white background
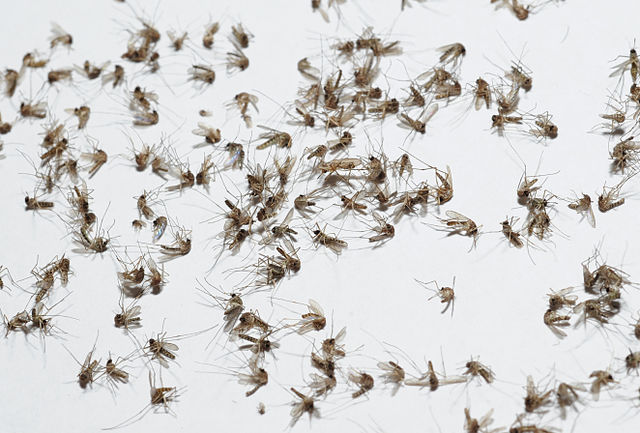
{"x": 500, "y": 290}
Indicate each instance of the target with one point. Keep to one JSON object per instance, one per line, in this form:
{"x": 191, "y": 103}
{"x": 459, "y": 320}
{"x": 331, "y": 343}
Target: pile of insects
{"x": 278, "y": 197}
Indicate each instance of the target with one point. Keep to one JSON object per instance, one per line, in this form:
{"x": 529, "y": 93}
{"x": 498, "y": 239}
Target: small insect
{"x": 259, "y": 346}
{"x": 364, "y": 382}
{"x": 474, "y": 425}
{"x": 306, "y": 70}
{"x": 625, "y": 154}
{"x": 145, "y": 118}
{"x": 446, "y": 294}
{"x": 460, "y": 224}
{"x": 59, "y": 36}
{"x": 583, "y": 206}
{"x": 632, "y": 361}
{"x": 31, "y": 60}
{"x": 330, "y": 241}
{"x": 241, "y": 36}
{"x": 209, "y": 33}
{"x": 211, "y": 135}
{"x": 88, "y": 369}
{"x": 601, "y": 378}
{"x": 452, "y": 53}
{"x": 159, "y": 227}
{"x": 248, "y": 321}
{"x": 384, "y": 230}
{"x": 11, "y": 78}
{"x": 258, "y": 378}
{"x": 561, "y": 299}
{"x": 232, "y": 311}
{"x": 519, "y": 76}
{"x": 181, "y": 245}
{"x": 305, "y": 405}
{"x": 274, "y": 137}
{"x": 202, "y": 73}
{"x": 616, "y": 119}
{"x": 314, "y": 320}
{"x": 96, "y": 243}
{"x": 128, "y": 317}
{"x": 236, "y": 60}
{"x": 142, "y": 100}
{"x": 37, "y": 110}
{"x": 475, "y": 368}
{"x": 56, "y": 75}
{"x": 92, "y": 71}
{"x": 115, "y": 374}
{"x": 17, "y": 322}
{"x": 632, "y": 63}
{"x": 322, "y": 385}
{"x": 184, "y": 175}
{"x": 418, "y": 124}
{"x": 393, "y": 374}
{"x": 513, "y": 236}
{"x": 116, "y": 77}
{"x": 236, "y": 155}
{"x": 566, "y": 396}
{"x": 482, "y": 94}
{"x": 593, "y": 309}
{"x": 610, "y": 197}
{"x": 443, "y": 192}
{"x": 161, "y": 350}
{"x": 204, "y": 177}
{"x": 544, "y": 128}
{"x": 334, "y": 165}
{"x": 98, "y": 158}
{"x": 350, "y": 203}
{"x": 177, "y": 40}
{"x": 242, "y": 101}
{"x": 332, "y": 347}
{"x": 534, "y": 399}
{"x": 138, "y": 224}
{"x": 387, "y": 106}
{"x": 499, "y": 121}
{"x": 261, "y": 408}
{"x": 33, "y": 203}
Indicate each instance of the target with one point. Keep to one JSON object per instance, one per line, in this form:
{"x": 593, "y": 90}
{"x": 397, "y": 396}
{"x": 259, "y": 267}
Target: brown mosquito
{"x": 475, "y": 368}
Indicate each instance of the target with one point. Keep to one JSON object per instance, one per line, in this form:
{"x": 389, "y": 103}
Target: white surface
{"x": 500, "y": 291}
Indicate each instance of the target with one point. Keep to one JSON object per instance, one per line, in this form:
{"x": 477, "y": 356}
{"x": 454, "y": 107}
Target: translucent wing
{"x": 429, "y": 112}
{"x": 456, "y": 216}
{"x": 315, "y": 308}
{"x": 170, "y": 346}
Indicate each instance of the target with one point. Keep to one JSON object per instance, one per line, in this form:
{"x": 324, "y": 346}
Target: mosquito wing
{"x": 429, "y": 112}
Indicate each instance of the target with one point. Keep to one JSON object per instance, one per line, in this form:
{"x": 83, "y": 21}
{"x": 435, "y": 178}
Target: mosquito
{"x": 535, "y": 400}
{"x": 583, "y": 207}
{"x": 305, "y": 405}
{"x": 475, "y": 368}
{"x": 452, "y": 53}
{"x": 460, "y": 224}
{"x": 446, "y": 294}
{"x": 209, "y": 33}
{"x": 393, "y": 373}
{"x": 328, "y": 240}
{"x": 567, "y": 396}
{"x": 159, "y": 396}
{"x": 161, "y": 350}
{"x": 257, "y": 378}
{"x": 601, "y": 378}
{"x": 363, "y": 381}
{"x": 474, "y": 425}
{"x": 128, "y": 317}
{"x": 418, "y": 124}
